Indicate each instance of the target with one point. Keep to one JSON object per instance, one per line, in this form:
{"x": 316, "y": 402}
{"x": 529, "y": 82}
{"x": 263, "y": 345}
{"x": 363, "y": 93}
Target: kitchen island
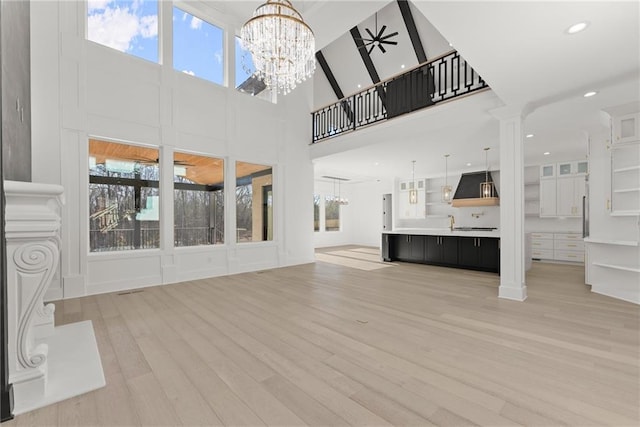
{"x": 473, "y": 249}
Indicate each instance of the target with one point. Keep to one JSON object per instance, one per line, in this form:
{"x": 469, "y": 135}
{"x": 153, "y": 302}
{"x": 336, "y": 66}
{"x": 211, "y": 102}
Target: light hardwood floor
{"x": 352, "y": 344}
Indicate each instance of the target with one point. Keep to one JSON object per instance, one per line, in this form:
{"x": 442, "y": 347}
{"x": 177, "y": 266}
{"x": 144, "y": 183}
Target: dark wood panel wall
{"x": 16, "y": 97}
{"x": 15, "y": 139}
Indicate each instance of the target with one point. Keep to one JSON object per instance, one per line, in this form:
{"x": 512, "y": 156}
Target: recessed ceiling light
{"x": 402, "y": 66}
{"x": 576, "y": 28}
{"x": 589, "y": 94}
{"x": 468, "y": 164}
{"x": 546, "y": 153}
{"x": 376, "y": 164}
{"x": 529, "y": 135}
{"x": 450, "y": 45}
{"x": 359, "y": 86}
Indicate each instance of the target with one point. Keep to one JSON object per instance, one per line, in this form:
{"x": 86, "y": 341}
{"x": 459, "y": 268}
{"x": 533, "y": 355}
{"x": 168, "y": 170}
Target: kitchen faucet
{"x": 452, "y": 221}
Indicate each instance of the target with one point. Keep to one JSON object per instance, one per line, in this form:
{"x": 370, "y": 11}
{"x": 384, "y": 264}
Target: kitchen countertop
{"x": 444, "y": 232}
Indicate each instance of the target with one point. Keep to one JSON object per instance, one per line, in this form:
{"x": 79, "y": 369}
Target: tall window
{"x": 316, "y": 212}
{"x": 254, "y": 202}
{"x": 130, "y": 26}
{"x": 198, "y": 206}
{"x": 124, "y": 208}
{"x": 198, "y": 47}
{"x": 331, "y": 214}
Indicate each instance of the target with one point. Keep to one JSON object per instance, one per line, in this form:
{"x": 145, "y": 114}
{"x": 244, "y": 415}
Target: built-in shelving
{"x": 617, "y": 267}
{"x": 611, "y": 242}
{"x": 628, "y": 169}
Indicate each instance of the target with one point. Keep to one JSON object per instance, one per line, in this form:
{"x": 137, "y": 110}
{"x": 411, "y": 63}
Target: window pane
{"x": 198, "y": 204}
{"x": 198, "y": 47}
{"x": 331, "y": 214}
{"x": 254, "y": 202}
{"x": 245, "y": 81}
{"x": 244, "y": 63}
{"x": 124, "y": 197}
{"x": 316, "y": 212}
{"x": 130, "y": 26}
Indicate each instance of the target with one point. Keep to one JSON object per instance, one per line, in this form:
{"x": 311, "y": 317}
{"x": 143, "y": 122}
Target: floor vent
{"x": 136, "y": 291}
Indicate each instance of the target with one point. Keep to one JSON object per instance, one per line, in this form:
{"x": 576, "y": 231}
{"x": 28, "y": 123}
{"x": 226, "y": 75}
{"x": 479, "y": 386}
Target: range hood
{"x": 468, "y": 191}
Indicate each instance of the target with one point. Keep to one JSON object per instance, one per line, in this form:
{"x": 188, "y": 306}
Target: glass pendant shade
{"x": 413, "y": 197}
{"x": 486, "y": 188}
{"x": 413, "y": 193}
{"x": 447, "y": 191}
{"x": 281, "y": 44}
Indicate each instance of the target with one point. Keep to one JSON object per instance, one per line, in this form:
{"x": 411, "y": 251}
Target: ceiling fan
{"x": 378, "y": 39}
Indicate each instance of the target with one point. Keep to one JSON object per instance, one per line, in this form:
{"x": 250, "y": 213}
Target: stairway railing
{"x": 441, "y": 79}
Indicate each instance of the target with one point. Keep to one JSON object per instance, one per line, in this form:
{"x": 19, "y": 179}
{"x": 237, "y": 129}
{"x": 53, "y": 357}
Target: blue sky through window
{"x": 129, "y": 26}
{"x": 244, "y": 63}
{"x": 198, "y": 47}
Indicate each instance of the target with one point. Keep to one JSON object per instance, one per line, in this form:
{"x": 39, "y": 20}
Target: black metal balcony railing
{"x": 440, "y": 79}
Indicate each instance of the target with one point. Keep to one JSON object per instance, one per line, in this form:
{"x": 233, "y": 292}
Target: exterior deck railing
{"x": 443, "y": 78}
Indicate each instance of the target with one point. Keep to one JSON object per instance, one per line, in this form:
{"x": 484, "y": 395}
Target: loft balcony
{"x": 439, "y": 80}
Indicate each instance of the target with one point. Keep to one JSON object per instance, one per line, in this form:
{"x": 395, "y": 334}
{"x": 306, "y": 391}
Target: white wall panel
{"x": 201, "y": 262}
{"x": 122, "y": 87}
{"x": 109, "y": 94}
{"x": 113, "y": 273}
{"x": 199, "y": 107}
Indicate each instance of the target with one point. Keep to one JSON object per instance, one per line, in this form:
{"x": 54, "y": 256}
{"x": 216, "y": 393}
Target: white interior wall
{"x": 82, "y": 89}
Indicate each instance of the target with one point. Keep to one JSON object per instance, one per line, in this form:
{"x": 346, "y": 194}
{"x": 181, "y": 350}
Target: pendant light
{"x": 413, "y": 193}
{"x": 486, "y": 188}
{"x": 446, "y": 188}
{"x": 341, "y": 201}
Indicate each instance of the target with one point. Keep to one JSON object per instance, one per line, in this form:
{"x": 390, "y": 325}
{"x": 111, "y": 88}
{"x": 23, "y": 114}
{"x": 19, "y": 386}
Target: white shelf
{"x": 610, "y": 242}
{"x": 630, "y": 168}
{"x": 625, "y": 213}
{"x": 626, "y": 190}
{"x": 618, "y": 267}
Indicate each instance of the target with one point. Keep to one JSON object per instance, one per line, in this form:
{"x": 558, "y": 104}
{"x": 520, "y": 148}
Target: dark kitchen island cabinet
{"x": 479, "y": 253}
{"x": 474, "y": 253}
{"x": 442, "y": 250}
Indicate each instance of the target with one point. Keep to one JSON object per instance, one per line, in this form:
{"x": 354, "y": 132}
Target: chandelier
{"x": 281, "y": 44}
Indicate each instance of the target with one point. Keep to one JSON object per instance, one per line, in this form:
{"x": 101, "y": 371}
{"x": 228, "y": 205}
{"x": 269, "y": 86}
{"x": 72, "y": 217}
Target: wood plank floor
{"x": 349, "y": 344}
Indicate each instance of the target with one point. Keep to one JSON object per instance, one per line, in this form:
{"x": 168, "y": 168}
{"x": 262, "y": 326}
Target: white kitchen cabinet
{"x": 547, "y": 198}
{"x": 572, "y": 168}
{"x": 548, "y": 171}
{"x": 569, "y": 193}
{"x": 626, "y": 128}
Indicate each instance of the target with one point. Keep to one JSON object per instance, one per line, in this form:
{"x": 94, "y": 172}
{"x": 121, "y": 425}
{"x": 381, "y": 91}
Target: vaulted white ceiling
{"x": 519, "y": 47}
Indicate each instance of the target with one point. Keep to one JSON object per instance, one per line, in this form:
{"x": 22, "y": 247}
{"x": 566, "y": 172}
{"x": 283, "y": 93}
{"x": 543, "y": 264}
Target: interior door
{"x": 267, "y": 212}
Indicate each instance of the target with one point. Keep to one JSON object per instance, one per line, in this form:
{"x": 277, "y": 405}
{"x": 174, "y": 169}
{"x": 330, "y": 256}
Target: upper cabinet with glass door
{"x": 626, "y": 128}
{"x": 573, "y": 168}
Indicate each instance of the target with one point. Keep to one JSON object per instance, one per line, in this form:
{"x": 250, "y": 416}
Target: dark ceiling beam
{"x": 334, "y": 83}
{"x": 329, "y": 74}
{"x": 405, "y": 10}
{"x": 368, "y": 63}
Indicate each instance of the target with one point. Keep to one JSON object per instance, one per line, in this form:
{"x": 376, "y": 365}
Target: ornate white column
{"x": 33, "y": 248}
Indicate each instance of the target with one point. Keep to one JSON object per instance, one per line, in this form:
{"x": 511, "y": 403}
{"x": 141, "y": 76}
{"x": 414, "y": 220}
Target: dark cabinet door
{"x": 490, "y": 253}
{"x": 433, "y": 250}
{"x": 468, "y": 252}
{"x": 416, "y": 244}
{"x": 449, "y": 246}
{"x": 401, "y": 247}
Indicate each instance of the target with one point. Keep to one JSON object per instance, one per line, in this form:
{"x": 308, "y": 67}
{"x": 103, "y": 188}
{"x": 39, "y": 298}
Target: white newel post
{"x": 46, "y": 363}
{"x": 512, "y": 239}
{"x": 33, "y": 251}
